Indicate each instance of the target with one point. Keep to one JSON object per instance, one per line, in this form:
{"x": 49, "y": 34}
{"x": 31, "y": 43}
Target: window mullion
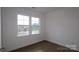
{"x": 30, "y": 28}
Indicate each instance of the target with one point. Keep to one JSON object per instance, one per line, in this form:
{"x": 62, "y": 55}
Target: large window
{"x": 35, "y": 23}
{"x": 23, "y": 25}
{"x": 27, "y": 25}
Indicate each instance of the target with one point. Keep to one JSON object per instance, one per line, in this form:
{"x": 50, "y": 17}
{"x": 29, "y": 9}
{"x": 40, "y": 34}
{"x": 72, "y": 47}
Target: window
{"x": 27, "y": 25}
{"x": 35, "y": 24}
{"x": 23, "y": 25}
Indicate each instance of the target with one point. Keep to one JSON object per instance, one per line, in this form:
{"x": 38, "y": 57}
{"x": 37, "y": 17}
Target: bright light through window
{"x": 23, "y": 20}
{"x": 35, "y": 23}
{"x": 23, "y": 25}
{"x": 27, "y": 25}
{"x": 20, "y": 19}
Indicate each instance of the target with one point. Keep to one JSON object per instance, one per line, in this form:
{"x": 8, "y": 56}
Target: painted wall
{"x": 0, "y": 28}
{"x": 9, "y": 23}
{"x": 62, "y": 27}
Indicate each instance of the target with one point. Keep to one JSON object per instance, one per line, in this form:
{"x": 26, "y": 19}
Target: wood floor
{"x": 44, "y": 46}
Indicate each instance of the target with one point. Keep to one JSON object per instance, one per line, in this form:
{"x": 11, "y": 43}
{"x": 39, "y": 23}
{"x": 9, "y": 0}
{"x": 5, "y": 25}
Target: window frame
{"x": 39, "y": 24}
{"x": 18, "y": 35}
{"x": 30, "y": 27}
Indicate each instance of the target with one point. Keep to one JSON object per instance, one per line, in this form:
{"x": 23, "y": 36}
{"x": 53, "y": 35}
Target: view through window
{"x": 23, "y": 25}
{"x": 27, "y": 25}
{"x": 35, "y": 23}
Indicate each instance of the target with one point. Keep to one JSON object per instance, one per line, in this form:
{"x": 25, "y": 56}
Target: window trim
{"x": 30, "y": 27}
{"x": 39, "y": 28}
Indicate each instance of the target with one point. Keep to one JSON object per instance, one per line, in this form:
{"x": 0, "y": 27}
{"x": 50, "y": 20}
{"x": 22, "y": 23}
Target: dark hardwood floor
{"x": 44, "y": 46}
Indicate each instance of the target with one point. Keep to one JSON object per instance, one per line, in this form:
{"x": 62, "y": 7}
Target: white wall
{"x": 62, "y": 26}
{"x": 9, "y": 22}
{"x": 0, "y": 27}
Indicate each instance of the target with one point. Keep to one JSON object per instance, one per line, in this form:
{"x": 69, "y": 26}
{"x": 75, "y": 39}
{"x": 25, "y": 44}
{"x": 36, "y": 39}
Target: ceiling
{"x": 42, "y": 9}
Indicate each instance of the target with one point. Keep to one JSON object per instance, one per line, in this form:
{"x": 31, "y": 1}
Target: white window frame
{"x": 39, "y": 28}
{"x": 30, "y": 27}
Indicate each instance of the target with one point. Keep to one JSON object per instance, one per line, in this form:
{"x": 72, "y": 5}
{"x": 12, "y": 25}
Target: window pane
{"x": 20, "y": 20}
{"x": 20, "y": 16}
{"x": 23, "y": 25}
{"x": 35, "y": 23}
{"x": 23, "y": 30}
{"x": 26, "y": 20}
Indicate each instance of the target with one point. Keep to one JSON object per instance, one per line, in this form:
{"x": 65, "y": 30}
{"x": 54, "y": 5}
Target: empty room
{"x": 39, "y": 29}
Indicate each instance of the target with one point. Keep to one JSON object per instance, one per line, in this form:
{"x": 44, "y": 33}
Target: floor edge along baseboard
{"x": 63, "y": 47}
